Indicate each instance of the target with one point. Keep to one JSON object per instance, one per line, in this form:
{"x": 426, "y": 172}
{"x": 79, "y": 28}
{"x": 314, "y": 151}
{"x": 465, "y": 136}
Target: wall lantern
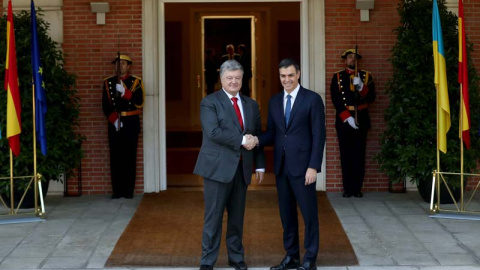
{"x": 365, "y": 6}
{"x": 100, "y": 8}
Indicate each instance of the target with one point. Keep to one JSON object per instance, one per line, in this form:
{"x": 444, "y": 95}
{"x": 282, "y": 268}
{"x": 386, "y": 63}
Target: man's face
{"x": 124, "y": 67}
{"x": 232, "y": 81}
{"x": 289, "y": 78}
{"x": 350, "y": 60}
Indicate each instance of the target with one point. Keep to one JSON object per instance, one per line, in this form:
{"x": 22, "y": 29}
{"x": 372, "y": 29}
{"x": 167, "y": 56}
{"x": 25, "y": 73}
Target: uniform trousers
{"x": 352, "y": 143}
{"x": 123, "y": 155}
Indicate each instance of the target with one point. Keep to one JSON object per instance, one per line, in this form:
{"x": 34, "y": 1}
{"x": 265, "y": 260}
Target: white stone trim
{"x": 312, "y": 35}
{"x": 51, "y": 11}
{"x": 38, "y": 3}
{"x": 317, "y": 64}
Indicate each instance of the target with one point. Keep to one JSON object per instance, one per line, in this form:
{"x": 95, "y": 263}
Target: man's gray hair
{"x": 230, "y": 65}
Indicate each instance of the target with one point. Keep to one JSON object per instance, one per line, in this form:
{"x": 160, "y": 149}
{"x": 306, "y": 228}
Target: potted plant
{"x": 408, "y": 145}
{"x": 63, "y": 142}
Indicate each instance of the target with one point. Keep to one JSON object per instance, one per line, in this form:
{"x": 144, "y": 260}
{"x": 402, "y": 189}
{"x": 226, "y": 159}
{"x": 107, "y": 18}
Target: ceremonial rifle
{"x": 356, "y": 90}
{"x": 117, "y": 94}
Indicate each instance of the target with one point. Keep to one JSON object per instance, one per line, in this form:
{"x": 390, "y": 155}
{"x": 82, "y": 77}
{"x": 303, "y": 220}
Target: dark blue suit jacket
{"x": 303, "y": 140}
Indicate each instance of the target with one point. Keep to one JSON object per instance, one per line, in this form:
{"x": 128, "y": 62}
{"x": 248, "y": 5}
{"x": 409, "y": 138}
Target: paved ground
{"x": 387, "y": 231}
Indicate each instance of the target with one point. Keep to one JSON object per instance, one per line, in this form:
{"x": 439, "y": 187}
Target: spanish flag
{"x": 443, "y": 105}
{"x": 14, "y": 123}
{"x": 463, "y": 77}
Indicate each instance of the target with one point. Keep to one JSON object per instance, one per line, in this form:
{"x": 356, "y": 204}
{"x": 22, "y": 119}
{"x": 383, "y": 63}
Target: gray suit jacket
{"x": 222, "y": 138}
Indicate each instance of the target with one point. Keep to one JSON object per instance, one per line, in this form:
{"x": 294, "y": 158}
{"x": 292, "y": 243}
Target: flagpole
{"x": 464, "y": 104}
{"x": 461, "y": 146}
{"x": 35, "y": 185}
{"x": 439, "y": 178}
{"x": 435, "y": 60}
{"x": 11, "y": 182}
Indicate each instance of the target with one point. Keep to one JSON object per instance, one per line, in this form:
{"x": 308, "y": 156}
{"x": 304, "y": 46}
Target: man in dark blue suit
{"x": 296, "y": 125}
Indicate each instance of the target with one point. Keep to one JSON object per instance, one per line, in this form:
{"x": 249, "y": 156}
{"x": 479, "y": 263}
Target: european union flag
{"x": 37, "y": 74}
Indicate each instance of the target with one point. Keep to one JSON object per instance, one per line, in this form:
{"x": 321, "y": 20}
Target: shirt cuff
{"x": 260, "y": 170}
{"x": 344, "y": 115}
{"x": 364, "y": 91}
{"x": 113, "y": 117}
{"x": 244, "y": 140}
{"x": 127, "y": 95}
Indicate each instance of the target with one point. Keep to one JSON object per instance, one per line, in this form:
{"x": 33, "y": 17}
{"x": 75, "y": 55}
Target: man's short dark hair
{"x": 289, "y": 62}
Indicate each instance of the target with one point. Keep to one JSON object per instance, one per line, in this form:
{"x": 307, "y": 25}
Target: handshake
{"x": 250, "y": 142}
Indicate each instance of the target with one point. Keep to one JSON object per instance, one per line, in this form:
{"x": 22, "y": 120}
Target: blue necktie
{"x": 288, "y": 109}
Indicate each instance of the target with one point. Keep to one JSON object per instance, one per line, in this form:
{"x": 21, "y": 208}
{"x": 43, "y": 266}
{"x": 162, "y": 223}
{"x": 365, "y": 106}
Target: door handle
{"x": 198, "y": 81}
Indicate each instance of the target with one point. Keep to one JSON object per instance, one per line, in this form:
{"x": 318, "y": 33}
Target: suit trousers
{"x": 292, "y": 191}
{"x": 219, "y": 196}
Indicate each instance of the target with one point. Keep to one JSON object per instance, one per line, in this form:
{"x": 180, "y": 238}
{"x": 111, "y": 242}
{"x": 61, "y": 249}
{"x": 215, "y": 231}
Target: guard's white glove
{"x": 357, "y": 81}
{"x": 351, "y": 122}
{"x": 117, "y": 122}
{"x": 120, "y": 89}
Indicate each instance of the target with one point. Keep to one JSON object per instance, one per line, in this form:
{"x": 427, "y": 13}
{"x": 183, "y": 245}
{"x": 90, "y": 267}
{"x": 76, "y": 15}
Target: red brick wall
{"x": 89, "y": 48}
{"x": 375, "y": 39}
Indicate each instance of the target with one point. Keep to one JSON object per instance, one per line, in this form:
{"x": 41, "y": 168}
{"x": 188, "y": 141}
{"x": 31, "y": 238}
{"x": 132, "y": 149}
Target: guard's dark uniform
{"x": 123, "y": 143}
{"x": 352, "y": 142}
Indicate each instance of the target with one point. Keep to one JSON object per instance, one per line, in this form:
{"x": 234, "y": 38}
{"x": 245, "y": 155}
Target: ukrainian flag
{"x": 443, "y": 105}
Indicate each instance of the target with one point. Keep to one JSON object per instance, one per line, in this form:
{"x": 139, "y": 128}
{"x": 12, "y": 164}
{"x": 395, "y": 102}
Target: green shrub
{"x": 408, "y": 146}
{"x": 63, "y": 142}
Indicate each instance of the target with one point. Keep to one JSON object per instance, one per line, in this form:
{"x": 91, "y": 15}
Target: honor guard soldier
{"x": 122, "y": 101}
{"x": 352, "y": 90}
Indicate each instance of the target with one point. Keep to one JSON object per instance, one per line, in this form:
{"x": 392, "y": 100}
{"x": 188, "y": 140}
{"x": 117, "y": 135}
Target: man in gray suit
{"x": 226, "y": 166}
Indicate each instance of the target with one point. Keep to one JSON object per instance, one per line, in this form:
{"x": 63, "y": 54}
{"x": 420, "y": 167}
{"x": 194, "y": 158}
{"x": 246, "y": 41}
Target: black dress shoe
{"x": 238, "y": 265}
{"x": 287, "y": 263}
{"x": 130, "y": 196}
{"x": 115, "y": 196}
{"x": 358, "y": 195}
{"x": 206, "y": 267}
{"x": 307, "y": 266}
{"x": 347, "y": 195}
